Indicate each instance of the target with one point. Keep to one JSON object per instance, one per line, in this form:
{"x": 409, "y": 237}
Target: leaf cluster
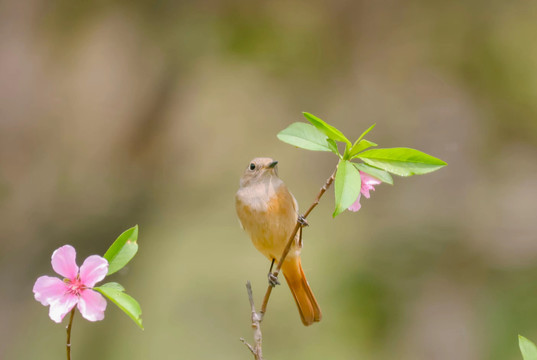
{"x": 118, "y": 255}
{"x": 358, "y": 156}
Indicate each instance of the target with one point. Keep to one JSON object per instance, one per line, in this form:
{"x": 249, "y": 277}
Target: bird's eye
{"x": 252, "y": 166}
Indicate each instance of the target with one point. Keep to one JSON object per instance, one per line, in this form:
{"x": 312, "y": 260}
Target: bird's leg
{"x": 300, "y": 237}
{"x": 302, "y": 221}
{"x": 272, "y": 279}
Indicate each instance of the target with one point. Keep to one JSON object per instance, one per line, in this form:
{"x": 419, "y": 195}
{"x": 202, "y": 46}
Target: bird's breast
{"x": 269, "y": 216}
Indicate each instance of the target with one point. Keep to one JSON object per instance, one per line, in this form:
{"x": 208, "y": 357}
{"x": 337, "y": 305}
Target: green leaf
{"x": 113, "y": 285}
{"x": 377, "y": 173}
{"x": 365, "y": 133}
{"x": 402, "y": 161}
{"x": 122, "y": 250}
{"x": 360, "y": 146}
{"x": 329, "y": 130}
{"x": 304, "y": 136}
{"x": 333, "y": 146}
{"x": 114, "y": 292}
{"x": 347, "y": 186}
{"x": 528, "y": 348}
{"x": 346, "y": 152}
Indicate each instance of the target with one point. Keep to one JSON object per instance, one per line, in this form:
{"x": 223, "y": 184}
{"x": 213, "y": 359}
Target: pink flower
{"x": 75, "y": 289}
{"x": 367, "y": 184}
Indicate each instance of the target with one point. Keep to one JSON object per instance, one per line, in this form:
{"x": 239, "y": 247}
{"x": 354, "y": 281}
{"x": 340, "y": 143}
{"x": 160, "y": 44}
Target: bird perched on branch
{"x": 269, "y": 213}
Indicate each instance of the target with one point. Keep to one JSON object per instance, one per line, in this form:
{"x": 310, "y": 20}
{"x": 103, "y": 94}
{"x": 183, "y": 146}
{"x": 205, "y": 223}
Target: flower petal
{"x": 64, "y": 262}
{"x": 365, "y": 190}
{"x": 48, "y": 289}
{"x": 91, "y": 305}
{"x": 93, "y": 270}
{"x": 356, "y": 205}
{"x": 367, "y": 183}
{"x": 368, "y": 179}
{"x": 60, "y": 307}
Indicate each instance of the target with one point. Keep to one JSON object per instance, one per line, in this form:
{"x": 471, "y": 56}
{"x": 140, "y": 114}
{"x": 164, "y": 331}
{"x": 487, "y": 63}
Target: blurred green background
{"x": 146, "y": 112}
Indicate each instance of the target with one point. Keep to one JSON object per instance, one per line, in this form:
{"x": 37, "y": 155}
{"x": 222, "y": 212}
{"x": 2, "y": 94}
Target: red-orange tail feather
{"x": 307, "y": 305}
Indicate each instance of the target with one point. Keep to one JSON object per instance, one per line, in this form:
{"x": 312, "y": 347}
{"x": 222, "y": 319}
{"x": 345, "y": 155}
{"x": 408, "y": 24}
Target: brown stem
{"x": 292, "y": 238}
{"x": 69, "y": 326}
{"x": 256, "y": 326}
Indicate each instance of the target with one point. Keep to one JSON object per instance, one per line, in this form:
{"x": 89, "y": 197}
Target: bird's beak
{"x": 272, "y": 164}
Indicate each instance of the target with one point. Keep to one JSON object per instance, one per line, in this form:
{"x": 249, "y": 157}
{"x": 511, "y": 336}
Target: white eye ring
{"x": 252, "y": 167}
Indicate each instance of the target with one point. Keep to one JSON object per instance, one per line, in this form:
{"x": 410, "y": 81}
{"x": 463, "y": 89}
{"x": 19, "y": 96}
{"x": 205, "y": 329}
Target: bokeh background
{"x": 146, "y": 112}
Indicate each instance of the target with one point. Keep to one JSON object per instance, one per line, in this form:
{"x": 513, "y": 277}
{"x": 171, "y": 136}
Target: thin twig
{"x": 248, "y": 345}
{"x": 256, "y": 326}
{"x": 69, "y": 326}
{"x": 291, "y": 240}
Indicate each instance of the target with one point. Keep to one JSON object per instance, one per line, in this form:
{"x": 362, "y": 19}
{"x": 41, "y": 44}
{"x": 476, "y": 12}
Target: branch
{"x": 256, "y": 326}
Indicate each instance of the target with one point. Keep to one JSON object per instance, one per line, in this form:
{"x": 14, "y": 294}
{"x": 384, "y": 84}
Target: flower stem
{"x": 69, "y": 326}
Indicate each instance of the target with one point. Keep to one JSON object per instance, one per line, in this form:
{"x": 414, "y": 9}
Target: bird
{"x": 269, "y": 213}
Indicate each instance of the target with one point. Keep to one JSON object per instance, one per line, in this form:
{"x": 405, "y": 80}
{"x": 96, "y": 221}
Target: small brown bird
{"x": 269, "y": 212}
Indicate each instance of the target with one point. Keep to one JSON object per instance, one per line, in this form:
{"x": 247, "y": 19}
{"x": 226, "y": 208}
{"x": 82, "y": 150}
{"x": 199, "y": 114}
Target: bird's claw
{"x": 302, "y": 221}
{"x": 273, "y": 280}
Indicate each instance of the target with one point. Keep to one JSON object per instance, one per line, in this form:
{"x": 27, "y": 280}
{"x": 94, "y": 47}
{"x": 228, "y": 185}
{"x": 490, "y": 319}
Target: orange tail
{"x": 307, "y": 305}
